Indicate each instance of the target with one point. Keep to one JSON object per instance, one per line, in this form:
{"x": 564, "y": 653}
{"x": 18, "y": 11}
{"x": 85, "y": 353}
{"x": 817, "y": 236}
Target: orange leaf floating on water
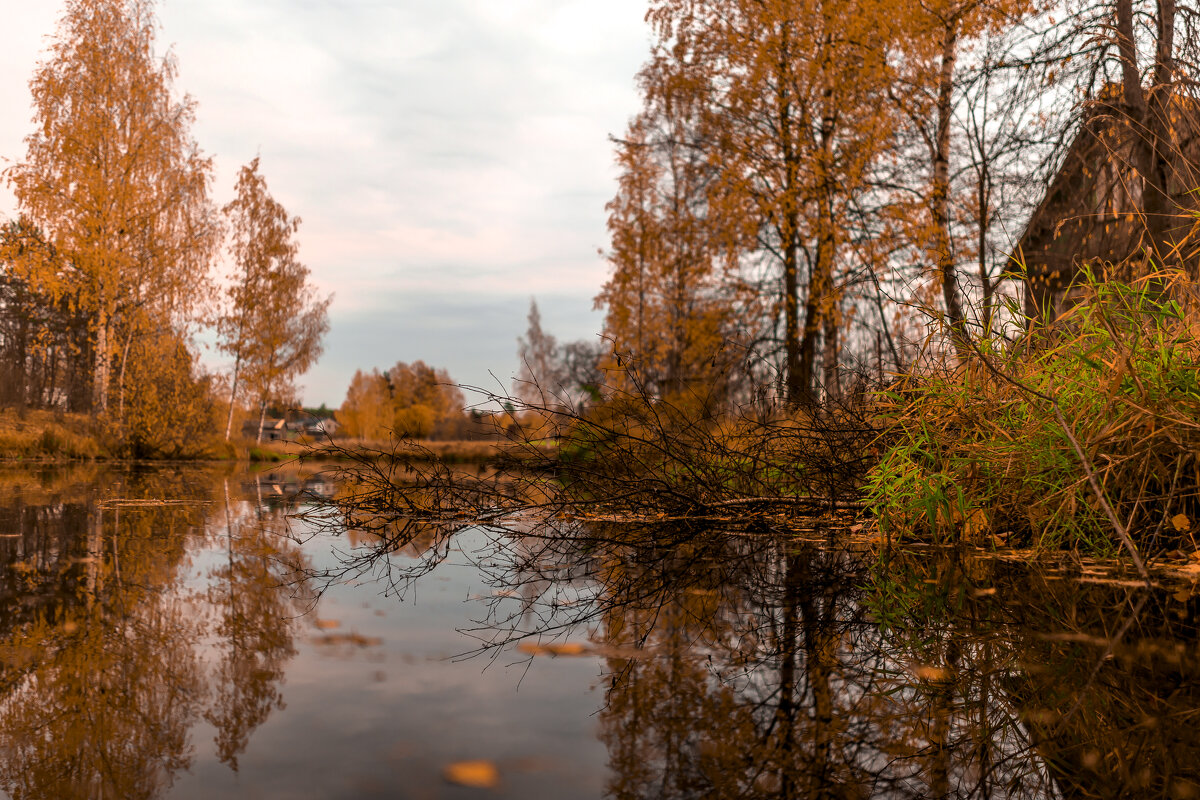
{"x": 356, "y": 639}
{"x": 477, "y": 774}
{"x": 1181, "y": 523}
{"x": 327, "y": 624}
{"x": 552, "y": 649}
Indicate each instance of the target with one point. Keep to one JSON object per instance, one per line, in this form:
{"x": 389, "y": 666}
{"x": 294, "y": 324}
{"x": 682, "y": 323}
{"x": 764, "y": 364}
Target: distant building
{"x": 313, "y": 426}
{"x": 274, "y": 430}
{"x": 1091, "y": 210}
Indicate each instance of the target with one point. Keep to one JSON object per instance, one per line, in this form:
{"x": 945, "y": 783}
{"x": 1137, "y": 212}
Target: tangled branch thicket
{"x": 1080, "y": 433}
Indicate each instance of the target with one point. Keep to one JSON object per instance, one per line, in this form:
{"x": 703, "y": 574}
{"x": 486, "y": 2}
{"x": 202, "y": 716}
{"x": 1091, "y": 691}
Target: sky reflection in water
{"x": 182, "y": 649}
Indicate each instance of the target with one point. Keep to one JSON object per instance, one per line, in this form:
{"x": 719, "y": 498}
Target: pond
{"x": 178, "y": 632}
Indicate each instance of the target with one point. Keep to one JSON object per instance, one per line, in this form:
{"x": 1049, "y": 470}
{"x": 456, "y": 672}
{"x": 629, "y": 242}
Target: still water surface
{"x": 174, "y": 632}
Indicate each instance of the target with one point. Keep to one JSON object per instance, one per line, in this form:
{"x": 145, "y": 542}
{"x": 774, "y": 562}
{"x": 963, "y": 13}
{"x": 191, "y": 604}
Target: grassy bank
{"x": 37, "y": 435}
{"x": 1065, "y": 437}
{"x": 41, "y": 435}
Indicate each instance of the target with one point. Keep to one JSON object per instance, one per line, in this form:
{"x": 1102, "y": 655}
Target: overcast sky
{"x": 450, "y": 158}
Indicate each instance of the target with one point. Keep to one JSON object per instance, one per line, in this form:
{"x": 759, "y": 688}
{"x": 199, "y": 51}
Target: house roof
{"x": 1091, "y": 209}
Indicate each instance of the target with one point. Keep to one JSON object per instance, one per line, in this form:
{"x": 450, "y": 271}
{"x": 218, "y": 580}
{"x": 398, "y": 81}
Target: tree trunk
{"x": 124, "y": 365}
{"x": 829, "y": 355}
{"x": 1148, "y": 120}
{"x": 798, "y": 379}
{"x": 984, "y": 200}
{"x": 237, "y": 365}
{"x": 101, "y": 362}
{"x": 947, "y": 273}
{"x": 820, "y": 286}
{"x": 262, "y": 417}
{"x": 1131, "y": 81}
{"x": 799, "y": 352}
{"x": 1160, "y": 150}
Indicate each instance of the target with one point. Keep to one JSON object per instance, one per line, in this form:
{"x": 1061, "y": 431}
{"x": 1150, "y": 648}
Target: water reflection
{"x": 757, "y": 664}
{"x": 106, "y": 646}
{"x": 789, "y": 669}
{"x": 147, "y": 612}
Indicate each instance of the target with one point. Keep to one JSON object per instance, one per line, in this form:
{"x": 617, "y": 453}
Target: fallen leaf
{"x": 356, "y": 639}
{"x": 327, "y": 624}
{"x": 476, "y": 774}
{"x": 552, "y": 649}
{"x": 1181, "y": 523}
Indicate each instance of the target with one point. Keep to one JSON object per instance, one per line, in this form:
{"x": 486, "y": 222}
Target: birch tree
{"x": 115, "y": 181}
{"x": 274, "y": 319}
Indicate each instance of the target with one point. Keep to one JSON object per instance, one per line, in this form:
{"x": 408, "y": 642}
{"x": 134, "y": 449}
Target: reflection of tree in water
{"x": 256, "y": 637}
{"x": 747, "y": 684}
{"x": 750, "y": 664}
{"x": 100, "y": 674}
{"x": 777, "y": 680}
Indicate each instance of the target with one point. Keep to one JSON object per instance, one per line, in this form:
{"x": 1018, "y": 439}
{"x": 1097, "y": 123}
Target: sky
{"x": 450, "y": 159}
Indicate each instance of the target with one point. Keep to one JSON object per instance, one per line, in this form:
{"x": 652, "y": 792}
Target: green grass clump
{"x": 978, "y": 450}
{"x": 258, "y": 454}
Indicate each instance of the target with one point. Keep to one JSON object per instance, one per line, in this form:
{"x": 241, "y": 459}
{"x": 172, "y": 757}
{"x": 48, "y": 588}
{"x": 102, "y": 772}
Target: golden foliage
{"x": 115, "y": 181}
{"x": 409, "y": 400}
{"x": 173, "y": 414}
{"x": 274, "y": 320}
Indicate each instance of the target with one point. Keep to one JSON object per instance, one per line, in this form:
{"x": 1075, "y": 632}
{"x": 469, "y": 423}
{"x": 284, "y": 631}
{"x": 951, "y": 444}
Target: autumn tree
{"x": 116, "y": 183}
{"x": 172, "y": 415}
{"x": 366, "y": 413}
{"x": 792, "y": 116}
{"x": 426, "y": 402}
{"x": 274, "y": 319}
{"x": 931, "y": 89}
{"x": 668, "y": 310}
{"x": 409, "y": 400}
{"x": 45, "y": 352}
